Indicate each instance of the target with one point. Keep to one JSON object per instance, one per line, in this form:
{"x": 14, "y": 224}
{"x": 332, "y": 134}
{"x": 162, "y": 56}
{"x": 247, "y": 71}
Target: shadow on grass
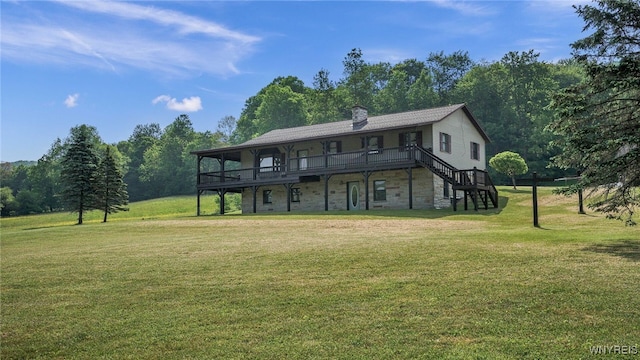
{"x": 628, "y": 249}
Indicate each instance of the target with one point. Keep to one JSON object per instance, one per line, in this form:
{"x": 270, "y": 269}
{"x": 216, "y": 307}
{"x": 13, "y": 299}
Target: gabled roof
{"x": 379, "y": 123}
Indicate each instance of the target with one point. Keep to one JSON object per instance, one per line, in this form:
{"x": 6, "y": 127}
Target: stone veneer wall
{"x": 397, "y": 193}
{"x": 440, "y": 201}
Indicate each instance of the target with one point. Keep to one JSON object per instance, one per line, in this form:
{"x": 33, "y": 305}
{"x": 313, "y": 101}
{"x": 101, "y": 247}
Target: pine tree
{"x": 112, "y": 191}
{"x": 598, "y": 119}
{"x": 79, "y": 171}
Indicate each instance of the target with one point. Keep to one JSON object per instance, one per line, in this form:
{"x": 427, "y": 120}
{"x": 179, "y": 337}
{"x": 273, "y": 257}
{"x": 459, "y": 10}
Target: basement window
{"x": 267, "y": 197}
{"x": 379, "y": 190}
{"x": 295, "y": 195}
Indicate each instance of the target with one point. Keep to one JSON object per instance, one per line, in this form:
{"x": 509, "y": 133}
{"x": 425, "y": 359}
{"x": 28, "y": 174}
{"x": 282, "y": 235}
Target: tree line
{"x": 509, "y": 97}
{"x": 82, "y": 173}
{"x": 571, "y": 115}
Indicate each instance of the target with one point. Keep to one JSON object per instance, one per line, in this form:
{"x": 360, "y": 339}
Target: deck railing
{"x": 354, "y": 160}
{"x": 312, "y": 164}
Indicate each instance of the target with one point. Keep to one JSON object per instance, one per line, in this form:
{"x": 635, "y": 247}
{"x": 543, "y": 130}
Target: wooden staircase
{"x": 475, "y": 184}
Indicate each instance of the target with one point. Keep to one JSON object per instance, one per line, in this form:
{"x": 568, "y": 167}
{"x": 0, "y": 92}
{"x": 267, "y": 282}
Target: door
{"x": 302, "y": 159}
{"x": 353, "y": 195}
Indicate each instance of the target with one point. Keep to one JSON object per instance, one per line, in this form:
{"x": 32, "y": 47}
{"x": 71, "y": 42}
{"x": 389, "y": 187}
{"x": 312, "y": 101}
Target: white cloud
{"x": 191, "y": 104}
{"x": 464, "y": 7}
{"x": 72, "y": 100}
{"x": 186, "y": 24}
{"x": 116, "y": 35}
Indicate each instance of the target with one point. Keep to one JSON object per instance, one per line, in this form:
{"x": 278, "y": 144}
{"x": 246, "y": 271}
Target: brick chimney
{"x": 359, "y": 116}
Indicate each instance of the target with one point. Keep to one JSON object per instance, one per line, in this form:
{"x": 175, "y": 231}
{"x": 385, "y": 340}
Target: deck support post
{"x": 326, "y": 191}
{"x": 287, "y": 187}
{"x": 455, "y": 199}
{"x": 221, "y": 193}
{"x": 466, "y": 200}
{"x": 409, "y": 172}
{"x": 366, "y": 189}
{"x": 198, "y": 203}
{"x": 254, "y": 191}
{"x": 535, "y": 199}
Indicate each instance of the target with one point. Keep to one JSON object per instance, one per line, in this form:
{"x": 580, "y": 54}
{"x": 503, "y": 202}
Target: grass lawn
{"x": 158, "y": 282}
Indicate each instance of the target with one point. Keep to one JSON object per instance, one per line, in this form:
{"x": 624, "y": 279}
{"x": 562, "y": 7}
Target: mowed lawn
{"x": 158, "y": 282}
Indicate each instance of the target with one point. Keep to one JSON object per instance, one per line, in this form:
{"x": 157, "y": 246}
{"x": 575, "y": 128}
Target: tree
{"x": 598, "y": 119}
{"x": 509, "y": 163}
{"x": 356, "y": 79}
{"x": 281, "y": 108}
{"x": 393, "y": 97}
{"x": 142, "y": 138}
{"x": 447, "y": 70}
{"x": 421, "y": 94}
{"x": 45, "y": 177}
{"x": 112, "y": 191}
{"x": 7, "y": 201}
{"x": 323, "y": 104}
{"x": 164, "y": 170}
{"x": 80, "y": 170}
{"x": 226, "y": 127}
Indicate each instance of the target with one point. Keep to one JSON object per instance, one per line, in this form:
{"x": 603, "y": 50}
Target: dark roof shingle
{"x": 343, "y": 128}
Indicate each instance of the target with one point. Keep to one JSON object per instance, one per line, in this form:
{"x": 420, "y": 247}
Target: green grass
{"x": 158, "y": 282}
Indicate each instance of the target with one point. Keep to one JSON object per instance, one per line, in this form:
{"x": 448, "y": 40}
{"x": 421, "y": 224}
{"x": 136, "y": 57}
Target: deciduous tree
{"x": 509, "y": 163}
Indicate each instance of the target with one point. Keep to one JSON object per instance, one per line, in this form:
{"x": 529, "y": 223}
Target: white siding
{"x": 462, "y": 133}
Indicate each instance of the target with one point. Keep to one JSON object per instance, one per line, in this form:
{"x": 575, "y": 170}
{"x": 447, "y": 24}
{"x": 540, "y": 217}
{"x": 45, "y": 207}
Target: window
{"x": 373, "y": 144}
{"x": 379, "y": 190}
{"x": 445, "y": 142}
{"x": 270, "y": 162}
{"x": 475, "y": 151}
{"x": 334, "y": 147}
{"x": 295, "y": 194}
{"x": 409, "y": 139}
{"x": 445, "y": 191}
{"x": 266, "y": 197}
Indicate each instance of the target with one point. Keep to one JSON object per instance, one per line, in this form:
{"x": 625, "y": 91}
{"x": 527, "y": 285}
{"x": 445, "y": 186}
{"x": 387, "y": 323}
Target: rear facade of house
{"x": 424, "y": 159}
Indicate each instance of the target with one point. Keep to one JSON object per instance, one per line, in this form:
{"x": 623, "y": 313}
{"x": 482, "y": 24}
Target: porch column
{"x": 255, "y": 163}
{"x": 221, "y": 192}
{"x": 198, "y": 202}
{"x": 288, "y": 149}
{"x": 222, "y": 160}
{"x": 326, "y": 192}
{"x": 410, "y": 173}
{"x": 198, "y": 165}
{"x": 455, "y": 199}
{"x": 366, "y": 190}
{"x": 466, "y": 202}
{"x": 288, "y": 186}
{"x": 325, "y": 152}
{"x": 254, "y": 190}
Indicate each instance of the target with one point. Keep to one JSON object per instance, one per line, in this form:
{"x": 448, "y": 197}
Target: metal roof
{"x": 379, "y": 123}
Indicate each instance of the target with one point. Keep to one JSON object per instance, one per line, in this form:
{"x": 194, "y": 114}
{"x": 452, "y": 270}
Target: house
{"x": 421, "y": 159}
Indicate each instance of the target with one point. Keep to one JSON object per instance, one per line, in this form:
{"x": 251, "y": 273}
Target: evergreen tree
{"x": 598, "y": 119}
{"x": 80, "y": 170}
{"x": 112, "y": 191}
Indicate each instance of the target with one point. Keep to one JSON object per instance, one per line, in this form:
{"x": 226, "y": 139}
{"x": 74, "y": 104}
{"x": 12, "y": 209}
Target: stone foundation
{"x": 427, "y": 193}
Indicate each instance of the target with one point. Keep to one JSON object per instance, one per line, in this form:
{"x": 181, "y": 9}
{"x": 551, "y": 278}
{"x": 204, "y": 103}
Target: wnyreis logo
{"x": 614, "y": 349}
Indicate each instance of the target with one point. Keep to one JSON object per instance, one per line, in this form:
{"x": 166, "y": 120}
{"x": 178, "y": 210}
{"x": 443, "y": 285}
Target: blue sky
{"x": 115, "y": 65}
